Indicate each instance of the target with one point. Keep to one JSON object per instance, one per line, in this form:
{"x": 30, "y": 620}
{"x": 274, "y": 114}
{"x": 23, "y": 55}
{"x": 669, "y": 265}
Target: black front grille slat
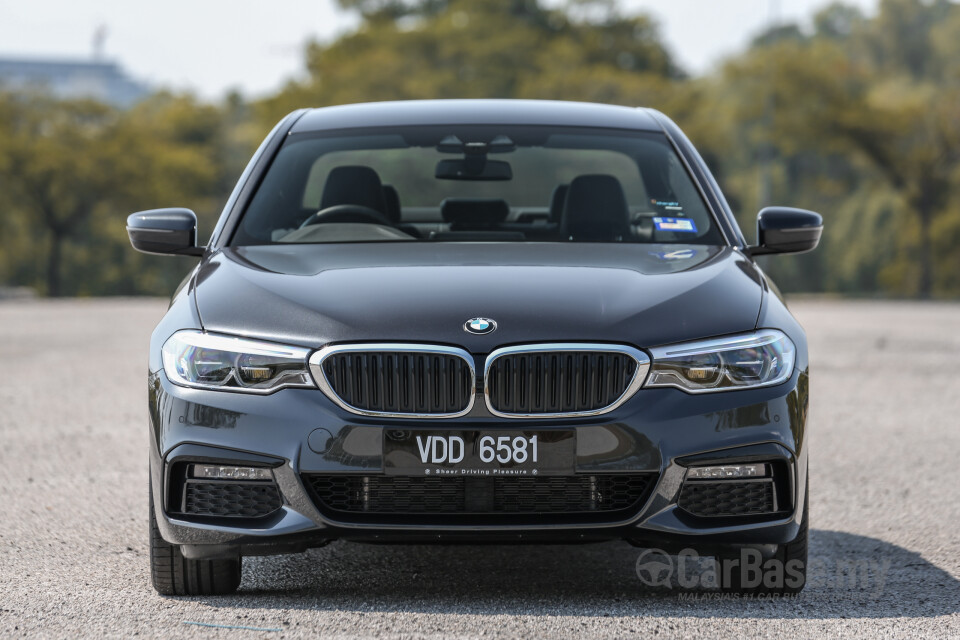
{"x": 420, "y": 396}
{"x": 339, "y": 495}
{"x": 403, "y": 384}
{"x": 548, "y": 382}
{"x": 400, "y": 382}
{"x": 594, "y": 390}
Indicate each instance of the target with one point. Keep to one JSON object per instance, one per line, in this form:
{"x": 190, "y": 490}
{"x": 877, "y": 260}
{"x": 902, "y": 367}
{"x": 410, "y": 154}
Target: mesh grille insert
{"x": 728, "y": 498}
{"x": 231, "y": 499}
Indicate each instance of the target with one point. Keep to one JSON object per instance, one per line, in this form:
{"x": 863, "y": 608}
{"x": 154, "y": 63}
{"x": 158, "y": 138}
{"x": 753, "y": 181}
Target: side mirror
{"x": 786, "y": 230}
{"x": 164, "y": 231}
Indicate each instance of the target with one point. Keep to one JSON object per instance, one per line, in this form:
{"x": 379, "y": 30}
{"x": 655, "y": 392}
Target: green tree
{"x": 861, "y": 104}
{"x": 482, "y": 49}
{"x": 73, "y": 170}
{"x": 60, "y": 166}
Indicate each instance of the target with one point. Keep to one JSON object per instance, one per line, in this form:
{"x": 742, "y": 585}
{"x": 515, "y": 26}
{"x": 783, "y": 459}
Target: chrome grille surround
{"x": 636, "y": 382}
{"x": 316, "y": 368}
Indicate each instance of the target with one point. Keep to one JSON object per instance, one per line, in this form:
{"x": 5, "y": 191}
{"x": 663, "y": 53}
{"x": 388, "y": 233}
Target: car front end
{"x": 474, "y": 388}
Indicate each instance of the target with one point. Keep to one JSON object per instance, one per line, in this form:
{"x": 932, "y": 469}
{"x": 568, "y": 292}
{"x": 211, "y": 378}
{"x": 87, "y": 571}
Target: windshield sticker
{"x": 668, "y": 205}
{"x": 679, "y": 254}
{"x": 682, "y": 225}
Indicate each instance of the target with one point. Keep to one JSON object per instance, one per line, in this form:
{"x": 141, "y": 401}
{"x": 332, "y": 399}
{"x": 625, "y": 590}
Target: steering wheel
{"x": 347, "y": 213}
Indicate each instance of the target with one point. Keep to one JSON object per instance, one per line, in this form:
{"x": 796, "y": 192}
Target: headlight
{"x": 760, "y": 359}
{"x": 210, "y": 361}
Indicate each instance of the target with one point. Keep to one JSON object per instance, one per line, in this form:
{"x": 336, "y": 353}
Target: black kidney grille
{"x": 728, "y": 498}
{"x": 400, "y": 382}
{"x": 558, "y": 382}
{"x": 402, "y": 495}
{"x": 231, "y": 499}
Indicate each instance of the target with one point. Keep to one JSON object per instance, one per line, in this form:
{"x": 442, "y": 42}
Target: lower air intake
{"x": 554, "y": 497}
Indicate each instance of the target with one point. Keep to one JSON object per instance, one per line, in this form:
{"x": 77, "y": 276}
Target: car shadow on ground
{"x": 851, "y": 576}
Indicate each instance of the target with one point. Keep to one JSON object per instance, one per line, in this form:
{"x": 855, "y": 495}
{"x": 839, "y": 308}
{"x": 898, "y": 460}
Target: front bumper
{"x": 657, "y": 431}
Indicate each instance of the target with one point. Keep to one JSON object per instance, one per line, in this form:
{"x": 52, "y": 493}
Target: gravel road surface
{"x": 885, "y": 514}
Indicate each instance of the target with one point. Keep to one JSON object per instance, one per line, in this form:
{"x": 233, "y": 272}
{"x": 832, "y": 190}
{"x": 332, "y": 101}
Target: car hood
{"x": 643, "y": 295}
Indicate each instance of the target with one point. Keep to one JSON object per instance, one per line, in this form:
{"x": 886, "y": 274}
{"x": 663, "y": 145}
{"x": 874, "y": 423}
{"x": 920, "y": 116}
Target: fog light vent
{"x": 230, "y": 499}
{"x": 729, "y": 498}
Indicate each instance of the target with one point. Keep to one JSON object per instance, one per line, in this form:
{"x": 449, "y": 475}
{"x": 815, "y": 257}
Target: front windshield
{"x": 470, "y": 183}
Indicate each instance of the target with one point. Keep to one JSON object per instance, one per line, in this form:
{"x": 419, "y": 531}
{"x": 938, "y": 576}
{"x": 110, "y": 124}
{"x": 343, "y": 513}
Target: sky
{"x": 213, "y": 46}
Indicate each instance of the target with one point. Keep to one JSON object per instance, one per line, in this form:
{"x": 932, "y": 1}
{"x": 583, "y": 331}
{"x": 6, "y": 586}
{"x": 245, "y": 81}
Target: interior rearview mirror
{"x": 473, "y": 167}
{"x": 165, "y": 232}
{"x": 786, "y": 230}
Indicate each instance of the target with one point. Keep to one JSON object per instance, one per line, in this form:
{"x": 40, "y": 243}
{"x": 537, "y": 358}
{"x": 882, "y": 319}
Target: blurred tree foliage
{"x": 70, "y": 171}
{"x": 484, "y": 49}
{"x": 855, "y": 116}
{"x": 861, "y": 120}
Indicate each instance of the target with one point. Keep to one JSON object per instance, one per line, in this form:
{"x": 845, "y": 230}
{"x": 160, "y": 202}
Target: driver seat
{"x": 354, "y": 184}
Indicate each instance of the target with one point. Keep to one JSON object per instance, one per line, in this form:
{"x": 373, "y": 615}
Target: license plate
{"x": 479, "y": 453}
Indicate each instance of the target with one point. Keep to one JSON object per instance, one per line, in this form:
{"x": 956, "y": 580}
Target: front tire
{"x": 175, "y": 575}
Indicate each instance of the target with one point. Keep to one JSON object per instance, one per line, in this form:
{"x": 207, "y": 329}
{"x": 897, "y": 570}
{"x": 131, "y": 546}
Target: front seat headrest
{"x": 357, "y": 185}
{"x": 556, "y": 202}
{"x": 596, "y": 210}
{"x": 474, "y": 213}
{"x": 392, "y": 201}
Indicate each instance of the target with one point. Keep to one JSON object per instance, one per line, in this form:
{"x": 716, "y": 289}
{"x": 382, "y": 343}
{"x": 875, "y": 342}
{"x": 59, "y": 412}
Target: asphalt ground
{"x": 885, "y": 512}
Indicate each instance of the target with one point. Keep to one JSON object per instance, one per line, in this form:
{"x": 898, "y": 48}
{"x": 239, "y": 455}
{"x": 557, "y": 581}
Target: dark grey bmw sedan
{"x": 477, "y": 321}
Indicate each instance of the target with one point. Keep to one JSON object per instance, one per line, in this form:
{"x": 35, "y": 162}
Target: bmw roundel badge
{"x": 479, "y": 326}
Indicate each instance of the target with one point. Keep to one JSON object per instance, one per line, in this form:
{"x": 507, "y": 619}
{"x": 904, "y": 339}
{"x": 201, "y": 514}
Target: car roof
{"x": 505, "y": 112}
